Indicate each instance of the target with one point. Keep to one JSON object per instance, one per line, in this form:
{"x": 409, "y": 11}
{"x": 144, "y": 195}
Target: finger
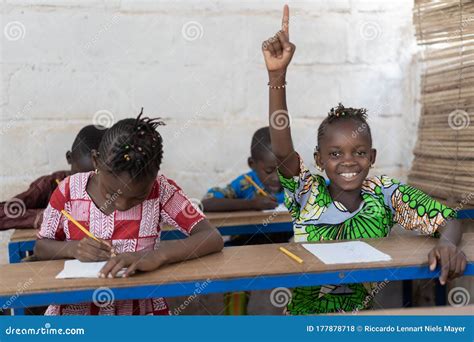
{"x": 460, "y": 265}
{"x": 432, "y": 261}
{"x": 87, "y": 256}
{"x": 458, "y": 271}
{"x": 96, "y": 252}
{"x": 130, "y": 270}
{"x": 285, "y": 21}
{"x": 270, "y": 47}
{"x": 463, "y": 266}
{"x": 116, "y": 268}
{"x": 284, "y": 42}
{"x": 278, "y": 48}
{"x": 108, "y": 267}
{"x": 101, "y": 244}
{"x": 445, "y": 267}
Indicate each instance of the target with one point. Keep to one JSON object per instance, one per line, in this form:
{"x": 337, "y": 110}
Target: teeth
{"x": 348, "y": 175}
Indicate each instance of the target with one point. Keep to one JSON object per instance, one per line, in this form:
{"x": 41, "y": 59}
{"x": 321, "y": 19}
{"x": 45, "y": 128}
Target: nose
{"x": 348, "y": 160}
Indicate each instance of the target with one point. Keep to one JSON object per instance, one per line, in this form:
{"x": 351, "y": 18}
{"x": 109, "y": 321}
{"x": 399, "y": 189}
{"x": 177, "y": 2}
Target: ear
{"x": 373, "y": 155}
{"x": 251, "y": 163}
{"x": 317, "y": 159}
{"x": 69, "y": 157}
{"x": 95, "y": 158}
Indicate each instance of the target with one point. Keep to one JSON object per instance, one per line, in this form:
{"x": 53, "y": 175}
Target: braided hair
{"x": 133, "y": 146}
{"x": 341, "y": 113}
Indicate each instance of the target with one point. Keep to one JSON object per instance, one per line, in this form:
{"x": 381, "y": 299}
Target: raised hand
{"x": 278, "y": 50}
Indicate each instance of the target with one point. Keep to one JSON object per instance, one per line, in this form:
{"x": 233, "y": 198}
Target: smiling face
{"x": 346, "y": 154}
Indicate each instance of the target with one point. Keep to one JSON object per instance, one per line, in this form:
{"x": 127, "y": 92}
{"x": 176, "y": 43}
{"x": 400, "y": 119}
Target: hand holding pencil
{"x": 90, "y": 248}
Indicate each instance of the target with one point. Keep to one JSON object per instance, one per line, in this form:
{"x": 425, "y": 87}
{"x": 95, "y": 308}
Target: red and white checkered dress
{"x": 136, "y": 229}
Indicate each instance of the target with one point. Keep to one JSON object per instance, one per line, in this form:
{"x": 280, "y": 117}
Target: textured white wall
{"x": 198, "y": 65}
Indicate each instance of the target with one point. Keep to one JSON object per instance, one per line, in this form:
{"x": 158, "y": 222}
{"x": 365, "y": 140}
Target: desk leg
{"x": 440, "y": 294}
{"x": 14, "y": 253}
{"x": 407, "y": 290}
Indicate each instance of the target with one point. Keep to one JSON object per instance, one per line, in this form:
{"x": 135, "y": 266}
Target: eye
{"x": 361, "y": 153}
{"x": 335, "y": 154}
{"x": 269, "y": 171}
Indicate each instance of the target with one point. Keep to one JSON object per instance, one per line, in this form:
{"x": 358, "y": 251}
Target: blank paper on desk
{"x": 79, "y": 269}
{"x": 346, "y": 252}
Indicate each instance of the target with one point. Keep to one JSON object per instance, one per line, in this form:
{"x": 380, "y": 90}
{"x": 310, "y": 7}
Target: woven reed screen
{"x": 444, "y": 152}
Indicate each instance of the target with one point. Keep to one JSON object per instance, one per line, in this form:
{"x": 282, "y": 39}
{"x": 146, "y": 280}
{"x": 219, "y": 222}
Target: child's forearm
{"x": 282, "y": 144}
{"x": 280, "y": 133}
{"x": 46, "y": 249}
{"x": 451, "y": 232}
{"x": 204, "y": 240}
{"x": 227, "y": 204}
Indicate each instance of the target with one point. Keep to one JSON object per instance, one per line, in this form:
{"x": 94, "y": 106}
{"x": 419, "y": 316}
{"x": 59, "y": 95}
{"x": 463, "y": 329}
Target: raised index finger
{"x": 285, "y": 21}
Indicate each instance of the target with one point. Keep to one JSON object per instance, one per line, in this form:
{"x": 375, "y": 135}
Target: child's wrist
{"x": 277, "y": 78}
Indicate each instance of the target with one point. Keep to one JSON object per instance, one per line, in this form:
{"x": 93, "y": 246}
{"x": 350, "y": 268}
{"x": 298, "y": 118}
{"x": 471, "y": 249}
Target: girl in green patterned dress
{"x": 352, "y": 206}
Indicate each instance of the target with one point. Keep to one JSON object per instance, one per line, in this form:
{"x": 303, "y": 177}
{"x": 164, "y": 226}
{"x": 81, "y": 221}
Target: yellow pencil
{"x": 259, "y": 189}
{"x": 80, "y": 226}
{"x": 57, "y": 181}
{"x": 291, "y": 255}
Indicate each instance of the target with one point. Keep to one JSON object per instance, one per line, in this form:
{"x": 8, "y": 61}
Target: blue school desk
{"x": 234, "y": 269}
{"x": 229, "y": 223}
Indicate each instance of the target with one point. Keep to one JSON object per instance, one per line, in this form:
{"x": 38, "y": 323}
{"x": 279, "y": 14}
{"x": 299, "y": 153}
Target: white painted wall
{"x": 198, "y": 65}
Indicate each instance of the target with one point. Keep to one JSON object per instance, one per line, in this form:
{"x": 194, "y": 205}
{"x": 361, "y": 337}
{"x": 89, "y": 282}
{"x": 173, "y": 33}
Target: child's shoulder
{"x": 380, "y": 184}
{"x": 163, "y": 187}
{"x": 74, "y": 185}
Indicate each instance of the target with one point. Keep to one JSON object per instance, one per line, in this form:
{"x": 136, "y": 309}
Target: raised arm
{"x": 277, "y": 52}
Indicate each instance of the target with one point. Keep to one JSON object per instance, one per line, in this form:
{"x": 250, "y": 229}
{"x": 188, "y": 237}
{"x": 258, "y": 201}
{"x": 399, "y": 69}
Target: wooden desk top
{"x": 231, "y": 263}
{"x": 218, "y": 219}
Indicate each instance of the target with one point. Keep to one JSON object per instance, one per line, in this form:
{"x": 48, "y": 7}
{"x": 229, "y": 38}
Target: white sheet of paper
{"x": 79, "y": 269}
{"x": 346, "y": 252}
{"x": 280, "y": 207}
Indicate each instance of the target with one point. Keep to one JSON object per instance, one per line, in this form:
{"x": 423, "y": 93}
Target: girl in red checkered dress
{"x": 124, "y": 203}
